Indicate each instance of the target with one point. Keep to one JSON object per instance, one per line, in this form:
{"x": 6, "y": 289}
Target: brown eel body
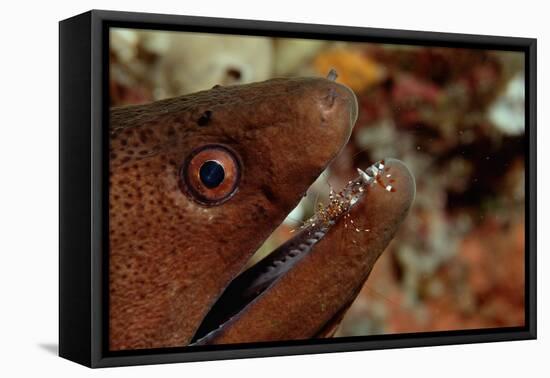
{"x": 172, "y": 257}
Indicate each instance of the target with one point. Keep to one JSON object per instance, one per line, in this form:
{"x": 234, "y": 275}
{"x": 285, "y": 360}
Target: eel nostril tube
{"x": 332, "y": 75}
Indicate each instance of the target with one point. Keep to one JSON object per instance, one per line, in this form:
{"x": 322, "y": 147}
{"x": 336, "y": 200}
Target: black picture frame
{"x": 83, "y": 197}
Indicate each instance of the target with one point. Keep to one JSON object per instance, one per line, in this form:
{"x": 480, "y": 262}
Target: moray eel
{"x": 197, "y": 183}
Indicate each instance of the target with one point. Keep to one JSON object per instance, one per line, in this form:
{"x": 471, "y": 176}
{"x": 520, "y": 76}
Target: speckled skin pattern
{"x": 170, "y": 257}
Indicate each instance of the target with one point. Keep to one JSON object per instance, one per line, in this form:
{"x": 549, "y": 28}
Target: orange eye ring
{"x": 210, "y": 174}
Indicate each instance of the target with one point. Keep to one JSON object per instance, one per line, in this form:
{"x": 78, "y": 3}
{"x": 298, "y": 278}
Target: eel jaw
{"x": 257, "y": 281}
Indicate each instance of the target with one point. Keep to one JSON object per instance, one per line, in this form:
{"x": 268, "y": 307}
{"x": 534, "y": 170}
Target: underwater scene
{"x": 388, "y": 180}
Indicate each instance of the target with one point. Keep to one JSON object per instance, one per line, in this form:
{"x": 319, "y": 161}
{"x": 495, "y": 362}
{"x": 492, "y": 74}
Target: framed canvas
{"x": 234, "y": 188}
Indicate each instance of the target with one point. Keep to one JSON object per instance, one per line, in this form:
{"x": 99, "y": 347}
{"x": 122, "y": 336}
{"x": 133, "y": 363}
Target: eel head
{"x": 197, "y": 183}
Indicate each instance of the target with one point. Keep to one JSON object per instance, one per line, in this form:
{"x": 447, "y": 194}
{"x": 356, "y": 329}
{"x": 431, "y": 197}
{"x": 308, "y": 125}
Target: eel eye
{"x": 211, "y": 174}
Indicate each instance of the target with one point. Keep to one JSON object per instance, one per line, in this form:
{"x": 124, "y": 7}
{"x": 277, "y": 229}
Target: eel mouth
{"x": 257, "y": 280}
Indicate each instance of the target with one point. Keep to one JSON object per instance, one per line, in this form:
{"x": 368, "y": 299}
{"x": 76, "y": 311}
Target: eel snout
{"x": 339, "y": 92}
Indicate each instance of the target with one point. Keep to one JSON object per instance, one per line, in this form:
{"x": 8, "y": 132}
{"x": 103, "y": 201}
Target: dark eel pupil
{"x": 211, "y": 174}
